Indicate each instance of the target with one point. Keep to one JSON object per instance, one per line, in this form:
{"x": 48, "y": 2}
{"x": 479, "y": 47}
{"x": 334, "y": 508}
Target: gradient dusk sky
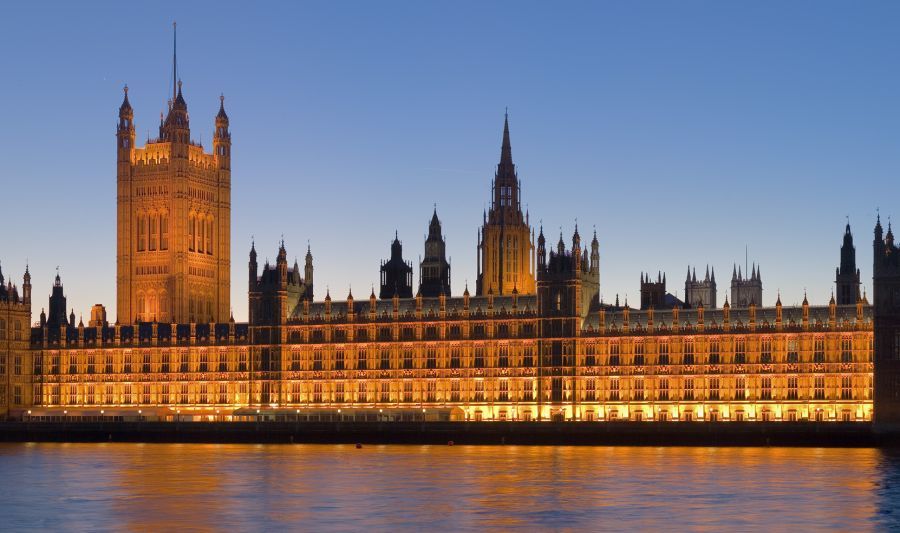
{"x": 684, "y": 131}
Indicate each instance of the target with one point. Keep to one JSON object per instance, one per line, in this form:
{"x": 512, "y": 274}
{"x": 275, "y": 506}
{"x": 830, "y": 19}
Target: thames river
{"x": 163, "y": 487}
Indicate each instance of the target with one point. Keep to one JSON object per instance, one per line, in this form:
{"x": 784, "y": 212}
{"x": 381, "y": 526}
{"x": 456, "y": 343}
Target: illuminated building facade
{"x": 533, "y": 343}
{"x": 174, "y": 220}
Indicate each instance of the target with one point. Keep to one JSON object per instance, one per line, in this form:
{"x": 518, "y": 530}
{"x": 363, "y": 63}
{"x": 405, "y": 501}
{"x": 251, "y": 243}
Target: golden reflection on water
{"x": 249, "y": 487}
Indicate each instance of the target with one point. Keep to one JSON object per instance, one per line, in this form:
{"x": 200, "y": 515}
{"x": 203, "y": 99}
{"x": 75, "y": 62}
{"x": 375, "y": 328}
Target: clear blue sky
{"x": 684, "y": 131}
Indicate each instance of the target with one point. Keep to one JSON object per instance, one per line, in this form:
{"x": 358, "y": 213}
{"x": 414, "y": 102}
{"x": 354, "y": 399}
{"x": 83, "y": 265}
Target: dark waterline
{"x": 316, "y": 487}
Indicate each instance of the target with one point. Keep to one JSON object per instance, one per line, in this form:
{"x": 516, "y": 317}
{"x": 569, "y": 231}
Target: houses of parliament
{"x": 534, "y": 342}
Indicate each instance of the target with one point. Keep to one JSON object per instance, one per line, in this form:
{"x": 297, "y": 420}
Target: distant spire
{"x": 222, "y": 114}
{"x": 506, "y": 149}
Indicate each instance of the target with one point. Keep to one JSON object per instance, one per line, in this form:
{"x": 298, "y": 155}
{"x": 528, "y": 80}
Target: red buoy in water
{"x": 449, "y": 443}
{"x": 358, "y": 445}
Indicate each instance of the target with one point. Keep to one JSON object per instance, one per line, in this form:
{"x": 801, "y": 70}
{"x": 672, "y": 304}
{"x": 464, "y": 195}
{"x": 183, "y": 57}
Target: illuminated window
{"x": 688, "y": 389}
{"x": 819, "y": 389}
{"x": 638, "y": 354}
{"x": 740, "y": 351}
{"x": 200, "y": 227}
{"x": 164, "y": 232}
{"x": 209, "y": 236}
{"x": 479, "y": 391}
{"x": 317, "y": 393}
{"x": 740, "y": 388}
{"x": 792, "y": 351}
{"x": 819, "y": 350}
{"x": 339, "y": 392}
{"x": 663, "y": 352}
{"x": 766, "y": 352}
{"x": 792, "y": 388}
{"x": 317, "y": 359}
{"x": 614, "y": 354}
{"x": 663, "y": 391}
{"x": 614, "y": 389}
{"x": 713, "y": 352}
{"x": 688, "y": 352}
{"x": 154, "y": 231}
{"x": 846, "y": 388}
{"x": 590, "y": 390}
{"x": 407, "y": 391}
{"x": 142, "y": 233}
{"x": 766, "y": 393}
{"x": 846, "y": 349}
{"x": 192, "y": 231}
{"x": 407, "y": 358}
{"x": 431, "y": 391}
{"x": 713, "y": 388}
{"x": 454, "y": 390}
{"x": 504, "y": 391}
{"x": 479, "y": 357}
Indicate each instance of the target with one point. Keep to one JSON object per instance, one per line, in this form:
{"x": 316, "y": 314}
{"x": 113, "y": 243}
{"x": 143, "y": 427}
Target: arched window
{"x": 154, "y": 231}
{"x": 200, "y": 227}
{"x": 140, "y": 306}
{"x": 191, "y": 232}
{"x": 142, "y": 232}
{"x": 209, "y": 236}
{"x": 164, "y": 231}
{"x": 151, "y": 307}
{"x": 2, "y": 329}
{"x": 162, "y": 306}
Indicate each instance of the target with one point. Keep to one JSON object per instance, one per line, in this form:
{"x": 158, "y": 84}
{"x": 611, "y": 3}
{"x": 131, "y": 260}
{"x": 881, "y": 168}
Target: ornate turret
{"x": 57, "y": 305}
{"x": 847, "y": 275}
{"x": 222, "y": 137}
{"x": 308, "y": 274}
{"x": 252, "y": 265}
{"x": 396, "y": 274}
{"x": 434, "y": 270}
{"x": 125, "y": 130}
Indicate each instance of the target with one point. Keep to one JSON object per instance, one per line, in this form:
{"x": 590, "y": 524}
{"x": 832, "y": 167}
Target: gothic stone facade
{"x": 534, "y": 343}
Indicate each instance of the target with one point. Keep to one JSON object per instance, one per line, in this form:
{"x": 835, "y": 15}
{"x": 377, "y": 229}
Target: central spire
{"x": 506, "y": 150}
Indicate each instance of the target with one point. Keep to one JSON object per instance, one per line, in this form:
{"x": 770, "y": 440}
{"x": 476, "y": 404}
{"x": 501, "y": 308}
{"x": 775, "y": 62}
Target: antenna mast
{"x": 174, "y": 61}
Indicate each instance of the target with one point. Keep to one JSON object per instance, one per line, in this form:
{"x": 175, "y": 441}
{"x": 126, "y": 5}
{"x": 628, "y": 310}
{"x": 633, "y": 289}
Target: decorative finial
{"x": 125, "y": 89}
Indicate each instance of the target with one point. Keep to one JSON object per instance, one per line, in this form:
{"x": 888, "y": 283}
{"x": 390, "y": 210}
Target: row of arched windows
{"x": 152, "y": 231}
{"x": 200, "y": 233}
{"x": 152, "y": 306}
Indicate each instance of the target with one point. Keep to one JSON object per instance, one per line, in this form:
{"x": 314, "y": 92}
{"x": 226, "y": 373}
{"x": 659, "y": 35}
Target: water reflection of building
{"x": 534, "y": 343}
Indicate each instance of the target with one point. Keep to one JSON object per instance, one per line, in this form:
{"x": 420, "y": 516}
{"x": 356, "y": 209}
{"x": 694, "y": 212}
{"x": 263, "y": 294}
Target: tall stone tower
{"x": 434, "y": 270}
{"x": 16, "y": 376}
{"x": 396, "y": 273}
{"x": 653, "y": 293}
{"x": 560, "y": 278}
{"x": 505, "y": 242}
{"x": 886, "y": 303}
{"x": 746, "y": 291}
{"x": 847, "y": 275}
{"x": 700, "y": 292}
{"x": 173, "y": 220}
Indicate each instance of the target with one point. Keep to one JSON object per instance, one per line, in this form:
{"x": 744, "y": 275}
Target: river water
{"x": 164, "y": 487}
